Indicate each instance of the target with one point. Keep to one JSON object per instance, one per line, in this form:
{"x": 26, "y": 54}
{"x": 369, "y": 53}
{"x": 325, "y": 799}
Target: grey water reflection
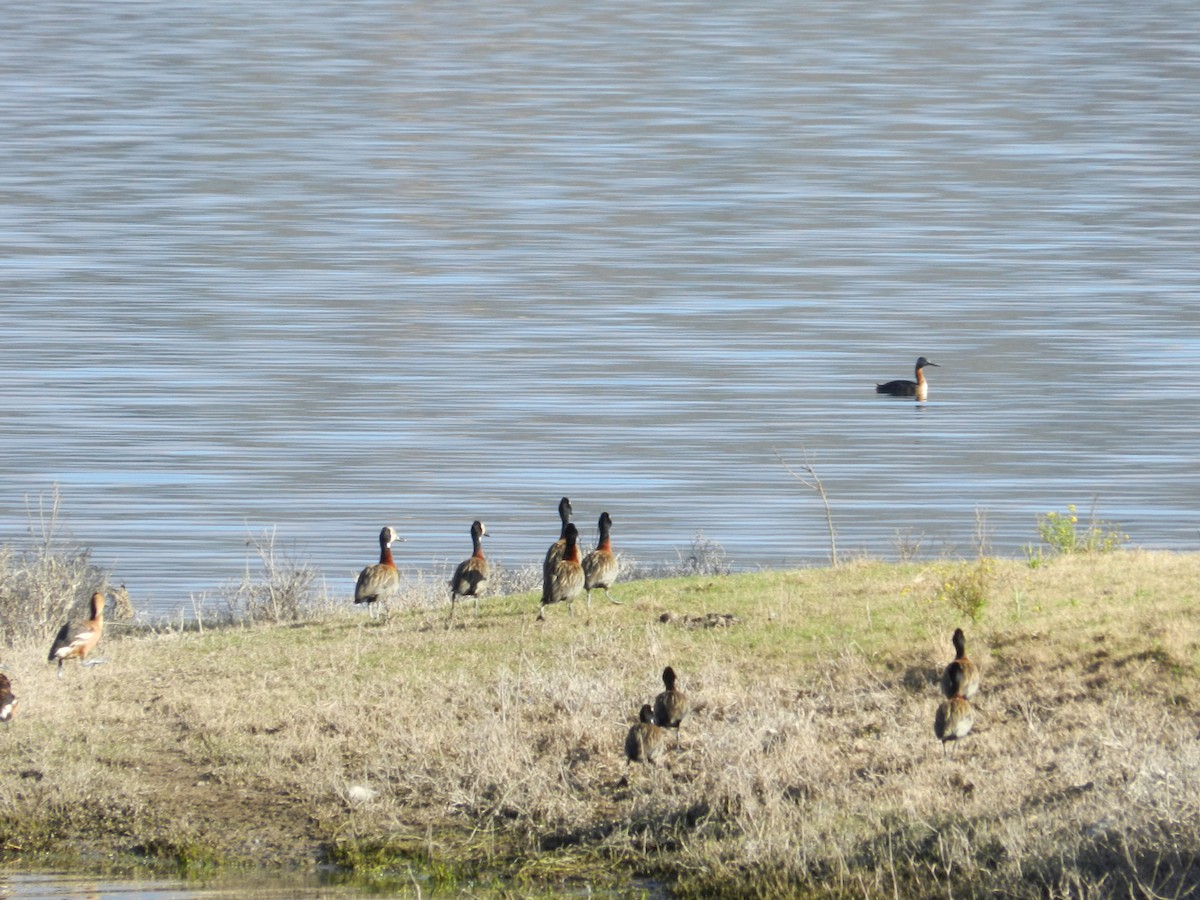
{"x": 321, "y": 267}
{"x": 61, "y": 886}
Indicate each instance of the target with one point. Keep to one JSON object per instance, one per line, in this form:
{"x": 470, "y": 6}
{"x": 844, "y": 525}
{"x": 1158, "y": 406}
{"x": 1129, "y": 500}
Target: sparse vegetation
{"x": 1063, "y": 533}
{"x": 41, "y": 585}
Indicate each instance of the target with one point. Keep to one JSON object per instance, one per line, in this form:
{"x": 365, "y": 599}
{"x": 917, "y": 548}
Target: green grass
{"x": 491, "y": 753}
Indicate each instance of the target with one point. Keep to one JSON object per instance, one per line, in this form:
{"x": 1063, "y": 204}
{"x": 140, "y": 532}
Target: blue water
{"x": 319, "y": 268}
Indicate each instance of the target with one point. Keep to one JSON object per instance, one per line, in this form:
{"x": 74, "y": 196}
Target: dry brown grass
{"x": 494, "y": 750}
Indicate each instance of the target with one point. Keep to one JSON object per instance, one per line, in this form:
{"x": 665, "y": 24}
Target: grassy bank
{"x": 492, "y": 753}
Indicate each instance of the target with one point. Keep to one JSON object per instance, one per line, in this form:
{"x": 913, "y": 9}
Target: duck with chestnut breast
{"x": 600, "y": 567}
{"x": 565, "y": 583}
{"x": 78, "y": 637}
{"x": 902, "y": 387}
{"x": 8, "y": 702}
{"x": 381, "y": 581}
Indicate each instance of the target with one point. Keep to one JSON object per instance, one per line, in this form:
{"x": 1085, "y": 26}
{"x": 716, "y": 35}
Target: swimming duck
{"x": 903, "y": 388}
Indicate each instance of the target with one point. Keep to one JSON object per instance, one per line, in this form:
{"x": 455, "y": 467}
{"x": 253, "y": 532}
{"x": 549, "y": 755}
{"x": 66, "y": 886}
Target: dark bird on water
{"x": 77, "y": 638}
{"x": 565, "y": 583}
{"x": 472, "y": 574}
{"x": 672, "y": 705}
{"x": 645, "y": 741}
{"x": 903, "y": 388}
{"x": 379, "y": 582}
{"x": 953, "y": 721}
{"x": 600, "y": 567}
{"x": 961, "y": 677}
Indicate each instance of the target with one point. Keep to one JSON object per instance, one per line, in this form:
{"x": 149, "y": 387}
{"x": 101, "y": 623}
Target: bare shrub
{"x": 284, "y": 590}
{"x": 43, "y": 583}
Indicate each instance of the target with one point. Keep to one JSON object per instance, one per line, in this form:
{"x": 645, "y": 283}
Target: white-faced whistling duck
{"x": 566, "y": 582}
{"x": 902, "y": 387}
{"x": 600, "y": 567}
{"x": 671, "y": 705}
{"x": 953, "y": 721}
{"x": 555, "y": 553}
{"x": 8, "y": 702}
{"x": 645, "y": 741}
{"x": 76, "y": 639}
{"x": 382, "y": 580}
{"x": 961, "y": 677}
{"x": 471, "y": 574}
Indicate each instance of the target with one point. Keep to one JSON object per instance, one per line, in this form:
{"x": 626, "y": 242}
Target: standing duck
{"x": 471, "y": 574}
{"x": 903, "y": 388}
{"x": 566, "y": 581}
{"x": 961, "y": 676}
{"x": 645, "y": 741}
{"x": 8, "y": 703}
{"x": 382, "y": 580}
{"x": 76, "y": 639}
{"x": 555, "y": 552}
{"x": 672, "y": 705}
{"x": 953, "y": 721}
{"x": 600, "y": 567}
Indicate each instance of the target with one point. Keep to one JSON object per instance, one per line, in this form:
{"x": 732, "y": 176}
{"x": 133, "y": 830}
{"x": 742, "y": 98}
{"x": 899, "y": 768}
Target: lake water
{"x": 323, "y": 267}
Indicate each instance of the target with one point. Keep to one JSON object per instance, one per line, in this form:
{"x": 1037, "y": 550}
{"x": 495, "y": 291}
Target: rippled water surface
{"x": 321, "y": 267}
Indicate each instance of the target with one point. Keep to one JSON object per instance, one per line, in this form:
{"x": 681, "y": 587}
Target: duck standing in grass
{"x": 961, "y": 676}
{"x": 953, "y": 721}
{"x": 565, "y": 583}
{"x": 645, "y": 741}
{"x": 472, "y": 573}
{"x": 600, "y": 567}
{"x": 8, "y": 703}
{"x": 672, "y": 705}
{"x": 76, "y": 639}
{"x": 382, "y": 580}
{"x": 555, "y": 551}
{"x": 903, "y": 388}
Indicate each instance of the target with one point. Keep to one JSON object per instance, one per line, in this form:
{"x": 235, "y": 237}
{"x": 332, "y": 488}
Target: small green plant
{"x": 966, "y": 587}
{"x": 1063, "y": 533}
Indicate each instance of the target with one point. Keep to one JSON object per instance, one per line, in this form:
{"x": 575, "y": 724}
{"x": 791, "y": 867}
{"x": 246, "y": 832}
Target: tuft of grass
{"x": 1064, "y": 534}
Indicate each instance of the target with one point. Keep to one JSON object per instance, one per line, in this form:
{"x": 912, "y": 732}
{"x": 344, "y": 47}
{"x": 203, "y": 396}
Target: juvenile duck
{"x": 645, "y": 741}
{"x": 672, "y": 705}
{"x": 961, "y": 676}
{"x": 953, "y": 721}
